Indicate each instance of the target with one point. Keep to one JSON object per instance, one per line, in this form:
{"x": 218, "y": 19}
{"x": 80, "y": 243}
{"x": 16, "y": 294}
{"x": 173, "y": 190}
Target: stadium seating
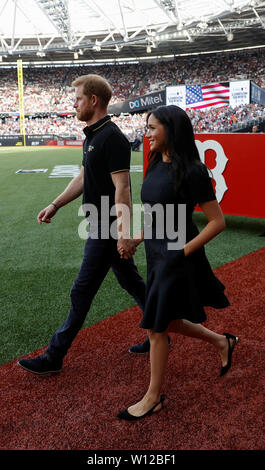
{"x": 48, "y": 91}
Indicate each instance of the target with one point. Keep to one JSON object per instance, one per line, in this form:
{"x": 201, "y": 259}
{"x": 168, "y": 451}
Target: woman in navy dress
{"x": 180, "y": 281}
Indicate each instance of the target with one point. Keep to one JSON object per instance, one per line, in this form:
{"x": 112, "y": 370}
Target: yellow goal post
{"x": 21, "y": 99}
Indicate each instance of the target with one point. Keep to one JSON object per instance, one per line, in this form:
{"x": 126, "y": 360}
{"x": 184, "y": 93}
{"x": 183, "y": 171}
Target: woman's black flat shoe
{"x": 128, "y": 417}
{"x": 226, "y": 368}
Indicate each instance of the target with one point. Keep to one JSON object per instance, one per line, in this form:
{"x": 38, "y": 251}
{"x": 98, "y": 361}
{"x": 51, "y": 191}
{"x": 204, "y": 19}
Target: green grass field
{"x": 40, "y": 263}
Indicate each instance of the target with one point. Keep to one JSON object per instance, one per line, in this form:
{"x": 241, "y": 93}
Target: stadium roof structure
{"x": 99, "y": 31}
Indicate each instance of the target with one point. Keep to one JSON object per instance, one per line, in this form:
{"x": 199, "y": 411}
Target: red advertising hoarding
{"x": 237, "y": 162}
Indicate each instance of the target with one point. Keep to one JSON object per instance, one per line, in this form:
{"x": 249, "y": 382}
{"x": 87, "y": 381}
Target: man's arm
{"x": 121, "y": 181}
{"x": 71, "y": 192}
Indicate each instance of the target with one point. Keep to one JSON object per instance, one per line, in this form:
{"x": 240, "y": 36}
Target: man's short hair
{"x": 95, "y": 85}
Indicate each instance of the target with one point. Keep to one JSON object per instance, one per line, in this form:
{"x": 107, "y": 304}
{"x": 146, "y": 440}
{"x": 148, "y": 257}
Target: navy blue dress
{"x": 178, "y": 286}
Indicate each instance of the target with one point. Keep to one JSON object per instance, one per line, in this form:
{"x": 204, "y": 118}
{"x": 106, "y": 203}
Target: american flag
{"x": 206, "y": 96}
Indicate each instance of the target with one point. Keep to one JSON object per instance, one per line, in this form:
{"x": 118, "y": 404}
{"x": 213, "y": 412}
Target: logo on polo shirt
{"x": 90, "y": 148}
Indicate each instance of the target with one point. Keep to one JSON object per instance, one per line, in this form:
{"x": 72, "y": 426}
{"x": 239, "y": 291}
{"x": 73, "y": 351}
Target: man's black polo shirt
{"x": 106, "y": 150}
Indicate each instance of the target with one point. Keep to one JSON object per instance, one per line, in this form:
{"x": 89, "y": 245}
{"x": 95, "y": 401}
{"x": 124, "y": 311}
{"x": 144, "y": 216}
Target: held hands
{"x": 46, "y": 214}
{"x": 127, "y": 247}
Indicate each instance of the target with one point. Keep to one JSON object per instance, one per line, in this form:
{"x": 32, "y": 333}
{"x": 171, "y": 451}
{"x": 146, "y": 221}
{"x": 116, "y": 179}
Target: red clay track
{"x": 76, "y": 409}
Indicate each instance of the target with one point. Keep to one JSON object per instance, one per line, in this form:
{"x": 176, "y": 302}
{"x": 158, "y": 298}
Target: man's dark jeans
{"x": 99, "y": 256}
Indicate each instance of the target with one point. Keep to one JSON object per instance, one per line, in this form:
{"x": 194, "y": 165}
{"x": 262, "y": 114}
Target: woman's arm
{"x": 216, "y": 224}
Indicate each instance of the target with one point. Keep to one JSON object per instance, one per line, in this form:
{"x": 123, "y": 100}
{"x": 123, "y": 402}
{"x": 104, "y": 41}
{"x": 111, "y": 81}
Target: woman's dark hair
{"x": 180, "y": 142}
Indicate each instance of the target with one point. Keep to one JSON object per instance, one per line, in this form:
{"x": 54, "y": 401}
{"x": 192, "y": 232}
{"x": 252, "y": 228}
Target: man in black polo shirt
{"x": 104, "y": 176}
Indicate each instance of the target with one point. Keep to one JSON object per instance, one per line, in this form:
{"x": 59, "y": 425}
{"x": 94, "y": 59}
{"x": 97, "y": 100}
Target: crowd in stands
{"x": 48, "y": 90}
{"x": 133, "y": 126}
{"x": 216, "y": 119}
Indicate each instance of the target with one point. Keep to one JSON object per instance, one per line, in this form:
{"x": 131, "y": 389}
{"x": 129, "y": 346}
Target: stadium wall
{"x": 35, "y": 139}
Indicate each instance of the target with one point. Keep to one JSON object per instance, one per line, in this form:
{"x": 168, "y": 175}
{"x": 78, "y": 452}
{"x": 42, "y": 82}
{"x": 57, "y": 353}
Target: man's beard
{"x": 85, "y": 116}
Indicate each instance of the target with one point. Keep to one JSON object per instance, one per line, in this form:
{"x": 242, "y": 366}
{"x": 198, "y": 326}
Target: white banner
{"x": 239, "y": 93}
{"x": 176, "y": 95}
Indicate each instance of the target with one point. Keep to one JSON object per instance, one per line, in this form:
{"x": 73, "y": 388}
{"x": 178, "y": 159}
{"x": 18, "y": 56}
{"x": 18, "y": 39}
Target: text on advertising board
{"x": 146, "y": 101}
